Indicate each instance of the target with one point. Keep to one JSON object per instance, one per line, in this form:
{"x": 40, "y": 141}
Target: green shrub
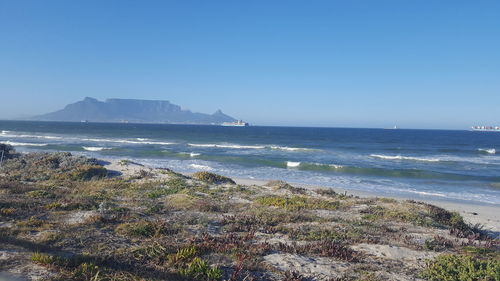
{"x": 40, "y": 193}
{"x": 53, "y": 206}
{"x": 189, "y": 265}
{"x": 461, "y": 268}
{"x": 183, "y": 255}
{"x": 490, "y": 253}
{"x": 277, "y": 185}
{"x": 200, "y": 270}
{"x": 297, "y": 202}
{"x": 42, "y": 258}
{"x": 212, "y": 178}
{"x": 406, "y": 213}
{"x": 89, "y": 172}
{"x": 169, "y": 187}
{"x": 7, "y": 211}
{"x": 83, "y": 173}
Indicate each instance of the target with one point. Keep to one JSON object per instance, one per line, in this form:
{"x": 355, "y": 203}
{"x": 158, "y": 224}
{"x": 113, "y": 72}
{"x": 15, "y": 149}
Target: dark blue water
{"x": 454, "y": 165}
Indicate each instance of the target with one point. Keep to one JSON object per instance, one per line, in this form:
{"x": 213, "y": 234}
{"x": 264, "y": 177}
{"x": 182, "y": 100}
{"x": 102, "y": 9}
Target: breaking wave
{"x": 9, "y": 134}
{"x": 399, "y": 157}
{"x": 487, "y": 150}
{"x": 95, "y": 148}
{"x": 232, "y": 146}
{"x": 286, "y": 148}
{"x": 137, "y": 141}
{"x": 383, "y": 172}
{"x": 201, "y": 167}
{"x": 238, "y": 146}
{"x": 24, "y": 143}
{"x": 291, "y": 164}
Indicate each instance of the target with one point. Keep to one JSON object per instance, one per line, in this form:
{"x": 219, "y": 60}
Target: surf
{"x": 24, "y": 143}
{"x": 95, "y": 148}
{"x": 400, "y": 157}
{"x": 487, "y": 150}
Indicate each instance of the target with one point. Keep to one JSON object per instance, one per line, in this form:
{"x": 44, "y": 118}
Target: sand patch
{"x": 394, "y": 252}
{"x": 317, "y": 267}
{"x": 79, "y": 217}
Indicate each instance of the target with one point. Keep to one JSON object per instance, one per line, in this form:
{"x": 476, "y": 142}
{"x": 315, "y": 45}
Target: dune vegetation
{"x": 66, "y": 217}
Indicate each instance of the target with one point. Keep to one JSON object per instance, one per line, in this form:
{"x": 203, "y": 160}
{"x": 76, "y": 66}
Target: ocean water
{"x": 459, "y": 166}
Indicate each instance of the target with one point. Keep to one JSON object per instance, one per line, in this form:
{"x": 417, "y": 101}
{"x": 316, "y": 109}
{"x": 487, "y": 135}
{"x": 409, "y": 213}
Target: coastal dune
{"x": 123, "y": 220}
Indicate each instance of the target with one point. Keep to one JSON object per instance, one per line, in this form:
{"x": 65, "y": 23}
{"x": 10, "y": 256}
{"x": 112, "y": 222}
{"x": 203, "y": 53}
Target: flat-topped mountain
{"x": 132, "y": 110}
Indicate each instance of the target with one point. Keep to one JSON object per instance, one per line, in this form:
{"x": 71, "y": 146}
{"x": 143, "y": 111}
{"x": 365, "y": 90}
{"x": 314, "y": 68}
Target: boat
{"x": 238, "y": 123}
{"x": 486, "y": 128}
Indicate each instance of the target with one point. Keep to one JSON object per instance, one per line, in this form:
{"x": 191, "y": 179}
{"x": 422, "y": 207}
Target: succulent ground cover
{"x": 65, "y": 217}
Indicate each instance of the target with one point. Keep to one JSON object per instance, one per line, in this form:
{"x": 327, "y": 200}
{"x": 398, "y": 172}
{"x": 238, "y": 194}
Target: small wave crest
{"x": 24, "y": 143}
{"x": 232, "y": 146}
{"x": 291, "y": 164}
{"x": 400, "y": 157}
{"x": 286, "y": 148}
{"x": 193, "y": 154}
{"x": 381, "y": 172}
{"x": 487, "y": 150}
{"x": 201, "y": 167}
{"x": 9, "y": 134}
{"x": 238, "y": 146}
{"x": 95, "y": 148}
{"x": 137, "y": 141}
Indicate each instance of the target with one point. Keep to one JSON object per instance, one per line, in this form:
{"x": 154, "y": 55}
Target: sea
{"x": 452, "y": 165}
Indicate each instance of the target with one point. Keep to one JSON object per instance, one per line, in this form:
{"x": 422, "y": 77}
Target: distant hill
{"x": 132, "y": 110}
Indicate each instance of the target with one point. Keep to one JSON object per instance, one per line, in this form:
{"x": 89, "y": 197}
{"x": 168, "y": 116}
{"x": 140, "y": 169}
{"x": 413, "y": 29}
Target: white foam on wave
{"x": 8, "y": 134}
{"x": 400, "y": 157}
{"x": 286, "y": 148}
{"x": 291, "y": 164}
{"x": 145, "y": 142}
{"x": 232, "y": 146}
{"x": 201, "y": 167}
{"x": 193, "y": 154}
{"x": 129, "y": 141}
{"x": 95, "y": 148}
{"x": 238, "y": 146}
{"x": 24, "y": 143}
{"x": 488, "y": 150}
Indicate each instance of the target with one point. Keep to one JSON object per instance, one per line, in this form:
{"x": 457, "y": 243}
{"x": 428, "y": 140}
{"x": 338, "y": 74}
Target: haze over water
{"x": 426, "y": 164}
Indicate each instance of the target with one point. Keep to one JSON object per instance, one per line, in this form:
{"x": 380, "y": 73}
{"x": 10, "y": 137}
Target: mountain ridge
{"x": 132, "y": 110}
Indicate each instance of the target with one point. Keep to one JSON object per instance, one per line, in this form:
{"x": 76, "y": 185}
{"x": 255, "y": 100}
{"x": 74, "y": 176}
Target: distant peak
{"x": 89, "y": 99}
{"x": 133, "y": 110}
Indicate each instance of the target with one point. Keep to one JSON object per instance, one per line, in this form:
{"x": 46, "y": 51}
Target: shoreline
{"x": 473, "y": 213}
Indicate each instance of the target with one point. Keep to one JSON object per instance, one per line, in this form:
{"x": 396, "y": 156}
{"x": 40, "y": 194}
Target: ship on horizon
{"x": 238, "y": 123}
{"x": 486, "y": 128}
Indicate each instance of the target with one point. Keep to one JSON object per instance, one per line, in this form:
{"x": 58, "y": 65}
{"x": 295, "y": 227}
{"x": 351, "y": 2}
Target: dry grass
{"x": 189, "y": 229}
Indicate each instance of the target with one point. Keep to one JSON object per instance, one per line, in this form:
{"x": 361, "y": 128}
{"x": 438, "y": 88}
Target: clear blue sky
{"x": 417, "y": 64}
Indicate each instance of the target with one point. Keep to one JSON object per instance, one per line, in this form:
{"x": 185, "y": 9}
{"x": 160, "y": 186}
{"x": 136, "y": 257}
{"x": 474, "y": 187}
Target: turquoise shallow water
{"x": 438, "y": 164}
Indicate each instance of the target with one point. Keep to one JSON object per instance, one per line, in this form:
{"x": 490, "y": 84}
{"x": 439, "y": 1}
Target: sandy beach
{"x": 485, "y": 215}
